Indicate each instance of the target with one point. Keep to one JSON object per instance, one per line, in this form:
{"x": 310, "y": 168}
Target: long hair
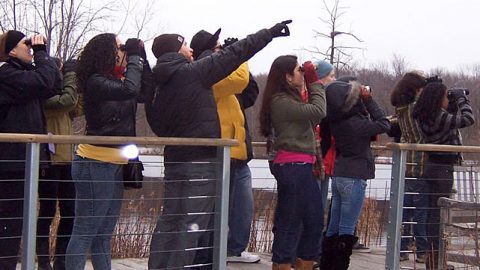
{"x": 406, "y": 89}
{"x": 98, "y": 57}
{"x": 429, "y": 104}
{"x": 276, "y": 83}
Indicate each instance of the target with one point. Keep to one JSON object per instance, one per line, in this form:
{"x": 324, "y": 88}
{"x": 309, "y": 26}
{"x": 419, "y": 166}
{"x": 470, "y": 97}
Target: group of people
{"x": 428, "y": 112}
{"x": 200, "y": 93}
{"x": 318, "y": 128}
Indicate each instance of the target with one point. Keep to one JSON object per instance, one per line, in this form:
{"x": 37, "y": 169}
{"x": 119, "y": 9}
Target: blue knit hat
{"x": 323, "y": 68}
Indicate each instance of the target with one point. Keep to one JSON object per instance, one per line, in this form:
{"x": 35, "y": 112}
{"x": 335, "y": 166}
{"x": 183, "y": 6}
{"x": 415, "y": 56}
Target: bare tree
{"x": 399, "y": 65}
{"x": 339, "y": 55}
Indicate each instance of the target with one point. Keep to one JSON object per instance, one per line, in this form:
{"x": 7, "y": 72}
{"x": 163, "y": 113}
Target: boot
{"x": 329, "y": 245}
{"x": 344, "y": 251}
{"x": 303, "y": 265}
{"x": 281, "y": 266}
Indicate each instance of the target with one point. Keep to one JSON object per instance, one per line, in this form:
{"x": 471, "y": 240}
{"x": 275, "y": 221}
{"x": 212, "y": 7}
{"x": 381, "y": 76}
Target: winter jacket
{"x": 22, "y": 88}
{"x": 293, "y": 120}
{"x": 57, "y": 109}
{"x": 411, "y": 133}
{"x": 110, "y": 104}
{"x": 352, "y": 129}
{"x": 231, "y": 117}
{"x": 184, "y": 94}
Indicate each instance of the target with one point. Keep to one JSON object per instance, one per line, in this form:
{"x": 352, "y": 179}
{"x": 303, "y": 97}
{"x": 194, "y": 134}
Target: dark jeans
{"x": 439, "y": 178}
{"x": 11, "y": 217}
{"x": 299, "y": 213}
{"x": 187, "y": 218}
{"x": 57, "y": 184}
{"x": 418, "y": 215}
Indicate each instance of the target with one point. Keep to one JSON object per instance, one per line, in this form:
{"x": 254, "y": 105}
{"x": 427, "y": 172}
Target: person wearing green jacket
{"x": 56, "y": 183}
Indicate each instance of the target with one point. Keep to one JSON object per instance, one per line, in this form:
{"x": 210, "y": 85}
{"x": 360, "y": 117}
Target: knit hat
{"x": 323, "y": 68}
{"x": 8, "y": 41}
{"x": 203, "y": 41}
{"x": 166, "y": 43}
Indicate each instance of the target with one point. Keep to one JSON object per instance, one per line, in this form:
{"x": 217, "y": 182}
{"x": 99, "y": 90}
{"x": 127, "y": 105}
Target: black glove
{"x": 280, "y": 29}
{"x": 229, "y": 41}
{"x": 133, "y": 46}
{"x": 69, "y": 66}
{"x": 39, "y": 47}
{"x": 143, "y": 53}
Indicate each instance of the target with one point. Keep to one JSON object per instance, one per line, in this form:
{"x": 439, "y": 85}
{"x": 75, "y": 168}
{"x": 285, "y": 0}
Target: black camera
{"x": 457, "y": 90}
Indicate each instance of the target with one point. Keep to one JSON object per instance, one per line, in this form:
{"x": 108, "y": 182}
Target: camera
{"x": 460, "y": 90}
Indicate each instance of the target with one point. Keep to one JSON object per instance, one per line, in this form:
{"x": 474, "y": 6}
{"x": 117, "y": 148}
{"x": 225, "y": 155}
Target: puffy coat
{"x": 184, "y": 94}
{"x": 22, "y": 89}
{"x": 352, "y": 129}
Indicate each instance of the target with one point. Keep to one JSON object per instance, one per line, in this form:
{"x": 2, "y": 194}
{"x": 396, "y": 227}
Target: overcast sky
{"x": 427, "y": 33}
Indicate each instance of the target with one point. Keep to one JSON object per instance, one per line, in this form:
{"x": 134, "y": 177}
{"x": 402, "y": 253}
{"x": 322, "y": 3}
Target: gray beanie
{"x": 323, "y": 68}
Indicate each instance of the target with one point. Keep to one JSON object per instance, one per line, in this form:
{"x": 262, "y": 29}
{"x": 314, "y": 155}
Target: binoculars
{"x": 28, "y": 41}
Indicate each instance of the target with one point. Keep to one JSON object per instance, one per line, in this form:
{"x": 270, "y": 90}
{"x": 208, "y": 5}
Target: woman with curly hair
{"x": 404, "y": 98}
{"x": 109, "y": 103}
{"x": 299, "y": 211}
{"x": 440, "y": 114}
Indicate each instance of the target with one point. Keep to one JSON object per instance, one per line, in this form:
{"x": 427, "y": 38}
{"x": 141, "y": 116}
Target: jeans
{"x": 347, "y": 202}
{"x": 99, "y": 193}
{"x": 439, "y": 179}
{"x": 11, "y": 217}
{"x": 58, "y": 184}
{"x": 240, "y": 208}
{"x": 418, "y": 215}
{"x": 187, "y": 218}
{"x": 298, "y": 215}
{"x": 323, "y": 185}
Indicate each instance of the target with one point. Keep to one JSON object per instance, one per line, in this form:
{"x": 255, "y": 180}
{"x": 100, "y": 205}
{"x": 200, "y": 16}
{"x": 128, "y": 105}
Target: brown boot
{"x": 281, "y": 266}
{"x": 303, "y": 265}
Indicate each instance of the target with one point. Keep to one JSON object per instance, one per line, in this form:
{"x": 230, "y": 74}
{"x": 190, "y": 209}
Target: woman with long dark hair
{"x": 109, "y": 78}
{"x": 440, "y": 114}
{"x": 299, "y": 211}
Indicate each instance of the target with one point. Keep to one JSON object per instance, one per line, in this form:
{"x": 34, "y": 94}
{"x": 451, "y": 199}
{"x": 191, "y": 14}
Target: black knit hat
{"x": 166, "y": 43}
{"x": 203, "y": 41}
{"x": 12, "y": 39}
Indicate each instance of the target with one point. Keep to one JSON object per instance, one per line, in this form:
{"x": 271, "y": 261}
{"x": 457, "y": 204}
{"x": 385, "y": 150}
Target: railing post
{"x": 444, "y": 219}
{"x": 30, "y": 206}
{"x": 397, "y": 188}
{"x": 221, "y": 210}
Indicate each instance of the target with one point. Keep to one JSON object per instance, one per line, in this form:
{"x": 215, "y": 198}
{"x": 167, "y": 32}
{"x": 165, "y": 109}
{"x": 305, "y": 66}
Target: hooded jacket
{"x": 22, "y": 88}
{"x": 184, "y": 94}
{"x": 352, "y": 128}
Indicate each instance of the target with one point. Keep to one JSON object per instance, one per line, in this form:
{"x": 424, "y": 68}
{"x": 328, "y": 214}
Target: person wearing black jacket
{"x": 354, "y": 117}
{"x": 184, "y": 98}
{"x": 109, "y": 101}
{"x": 23, "y": 86}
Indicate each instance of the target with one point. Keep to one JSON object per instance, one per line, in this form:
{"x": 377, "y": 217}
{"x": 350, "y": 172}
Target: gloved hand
{"x": 38, "y": 43}
{"x": 365, "y": 93}
{"x": 229, "y": 41}
{"x": 133, "y": 46}
{"x": 143, "y": 53}
{"x": 309, "y": 72}
{"x": 280, "y": 29}
{"x": 69, "y": 65}
{"x": 456, "y": 93}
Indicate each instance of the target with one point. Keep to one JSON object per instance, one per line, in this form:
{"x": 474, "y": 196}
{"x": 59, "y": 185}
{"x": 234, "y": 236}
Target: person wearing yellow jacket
{"x": 231, "y": 95}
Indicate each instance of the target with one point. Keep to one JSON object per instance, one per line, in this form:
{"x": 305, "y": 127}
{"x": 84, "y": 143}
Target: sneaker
{"x": 420, "y": 259}
{"x": 404, "y": 257}
{"x": 361, "y": 248}
{"x": 245, "y": 257}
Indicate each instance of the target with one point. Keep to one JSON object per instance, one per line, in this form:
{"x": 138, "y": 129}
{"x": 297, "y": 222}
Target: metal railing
{"x": 32, "y": 162}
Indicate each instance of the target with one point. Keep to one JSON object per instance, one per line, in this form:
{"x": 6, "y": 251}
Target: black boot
{"x": 329, "y": 245}
{"x": 344, "y": 251}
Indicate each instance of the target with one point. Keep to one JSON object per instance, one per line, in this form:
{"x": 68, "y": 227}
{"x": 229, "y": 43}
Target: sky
{"x": 428, "y": 34}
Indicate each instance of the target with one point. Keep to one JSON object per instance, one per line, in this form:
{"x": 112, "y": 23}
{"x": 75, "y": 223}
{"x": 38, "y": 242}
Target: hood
{"x": 343, "y": 100}
{"x": 167, "y": 65}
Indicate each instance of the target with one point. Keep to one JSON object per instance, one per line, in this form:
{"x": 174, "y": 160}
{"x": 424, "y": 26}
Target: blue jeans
{"x": 298, "y": 215}
{"x": 323, "y": 185}
{"x": 240, "y": 208}
{"x": 187, "y": 218}
{"x": 99, "y": 193}
{"x": 347, "y": 202}
{"x": 418, "y": 215}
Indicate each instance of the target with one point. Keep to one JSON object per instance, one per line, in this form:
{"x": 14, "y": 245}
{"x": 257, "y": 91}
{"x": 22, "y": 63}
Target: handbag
{"x": 132, "y": 174}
